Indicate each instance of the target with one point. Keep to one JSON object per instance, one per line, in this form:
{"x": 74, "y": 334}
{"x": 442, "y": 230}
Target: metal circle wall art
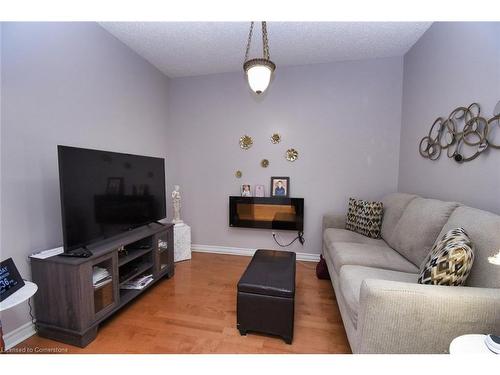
{"x": 463, "y": 134}
{"x": 275, "y": 138}
{"x": 246, "y": 142}
{"x": 496, "y": 111}
{"x": 291, "y": 154}
{"x": 238, "y": 174}
{"x": 264, "y": 163}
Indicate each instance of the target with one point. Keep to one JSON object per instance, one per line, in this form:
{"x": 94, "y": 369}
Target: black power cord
{"x": 33, "y": 320}
{"x": 300, "y": 237}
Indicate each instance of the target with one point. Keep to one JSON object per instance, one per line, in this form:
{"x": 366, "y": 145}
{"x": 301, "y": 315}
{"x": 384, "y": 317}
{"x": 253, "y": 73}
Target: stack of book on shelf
{"x": 139, "y": 282}
{"x": 100, "y": 276}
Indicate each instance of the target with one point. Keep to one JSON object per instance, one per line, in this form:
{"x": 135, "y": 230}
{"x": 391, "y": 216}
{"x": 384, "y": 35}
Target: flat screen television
{"x": 107, "y": 193}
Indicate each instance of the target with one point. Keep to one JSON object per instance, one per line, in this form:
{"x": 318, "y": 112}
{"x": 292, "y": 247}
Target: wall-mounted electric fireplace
{"x": 267, "y": 213}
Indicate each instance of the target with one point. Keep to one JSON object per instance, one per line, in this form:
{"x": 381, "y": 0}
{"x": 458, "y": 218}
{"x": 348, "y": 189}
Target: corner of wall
{"x": 404, "y": 89}
{"x": 401, "y": 90}
{"x": 170, "y": 163}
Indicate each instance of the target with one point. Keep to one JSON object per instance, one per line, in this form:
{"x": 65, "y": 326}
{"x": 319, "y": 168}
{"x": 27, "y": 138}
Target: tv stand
{"x": 69, "y": 306}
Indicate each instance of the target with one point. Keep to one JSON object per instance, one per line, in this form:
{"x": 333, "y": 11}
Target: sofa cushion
{"x": 331, "y": 235}
{"x": 394, "y": 206}
{"x": 419, "y": 226}
{"x": 351, "y": 278}
{"x": 369, "y": 255}
{"x": 450, "y": 260}
{"x": 483, "y": 229}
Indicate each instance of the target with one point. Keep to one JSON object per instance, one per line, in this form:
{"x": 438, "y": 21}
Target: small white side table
{"x": 23, "y": 294}
{"x": 182, "y": 242}
{"x": 469, "y": 344}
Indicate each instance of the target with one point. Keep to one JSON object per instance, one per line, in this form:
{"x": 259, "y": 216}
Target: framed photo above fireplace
{"x": 114, "y": 186}
{"x": 259, "y": 191}
{"x": 280, "y": 186}
{"x": 246, "y": 190}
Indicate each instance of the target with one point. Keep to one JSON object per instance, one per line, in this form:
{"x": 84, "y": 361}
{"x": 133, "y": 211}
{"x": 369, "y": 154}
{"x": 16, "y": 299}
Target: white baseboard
{"x": 19, "y": 335}
{"x": 244, "y": 252}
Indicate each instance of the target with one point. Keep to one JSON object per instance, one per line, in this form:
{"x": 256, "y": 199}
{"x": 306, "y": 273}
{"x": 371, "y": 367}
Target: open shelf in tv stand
{"x": 69, "y": 308}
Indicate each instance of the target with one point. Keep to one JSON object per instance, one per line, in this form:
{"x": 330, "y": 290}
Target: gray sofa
{"x": 383, "y": 308}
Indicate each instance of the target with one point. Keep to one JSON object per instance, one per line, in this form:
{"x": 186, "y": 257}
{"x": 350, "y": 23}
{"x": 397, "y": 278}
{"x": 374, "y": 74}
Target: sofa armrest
{"x": 397, "y": 317}
{"x": 333, "y": 221}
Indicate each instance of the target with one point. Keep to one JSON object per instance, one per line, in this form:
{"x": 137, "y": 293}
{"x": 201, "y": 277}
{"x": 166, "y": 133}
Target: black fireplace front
{"x": 267, "y": 213}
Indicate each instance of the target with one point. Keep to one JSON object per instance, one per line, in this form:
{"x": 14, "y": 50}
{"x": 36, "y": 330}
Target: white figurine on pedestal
{"x": 176, "y": 200}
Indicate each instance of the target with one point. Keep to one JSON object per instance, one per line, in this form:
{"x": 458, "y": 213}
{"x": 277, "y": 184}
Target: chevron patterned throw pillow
{"x": 369, "y": 220}
{"x": 352, "y": 215}
{"x": 450, "y": 260}
{"x": 365, "y": 217}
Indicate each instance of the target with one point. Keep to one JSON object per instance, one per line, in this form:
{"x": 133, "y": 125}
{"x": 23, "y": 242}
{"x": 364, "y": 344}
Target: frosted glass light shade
{"x": 259, "y": 77}
{"x": 259, "y": 73}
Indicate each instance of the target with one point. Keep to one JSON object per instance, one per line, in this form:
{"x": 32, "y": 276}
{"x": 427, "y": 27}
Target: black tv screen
{"x": 106, "y": 193}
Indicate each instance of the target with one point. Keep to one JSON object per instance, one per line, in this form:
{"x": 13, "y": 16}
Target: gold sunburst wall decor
{"x": 264, "y": 163}
{"x": 246, "y": 142}
{"x": 275, "y": 138}
{"x": 238, "y": 174}
{"x": 291, "y": 154}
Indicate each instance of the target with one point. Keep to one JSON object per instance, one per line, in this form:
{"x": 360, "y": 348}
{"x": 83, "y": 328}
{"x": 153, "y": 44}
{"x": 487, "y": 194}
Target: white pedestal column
{"x": 182, "y": 242}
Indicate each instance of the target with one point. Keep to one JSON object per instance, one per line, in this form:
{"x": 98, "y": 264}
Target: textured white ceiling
{"x": 182, "y": 49}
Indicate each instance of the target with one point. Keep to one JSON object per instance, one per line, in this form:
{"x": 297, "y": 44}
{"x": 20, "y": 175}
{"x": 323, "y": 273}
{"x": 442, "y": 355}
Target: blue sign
{"x": 10, "y": 279}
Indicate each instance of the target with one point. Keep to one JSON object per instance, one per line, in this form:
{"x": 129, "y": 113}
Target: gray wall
{"x": 453, "y": 64}
{"x": 343, "y": 118}
{"x": 72, "y": 84}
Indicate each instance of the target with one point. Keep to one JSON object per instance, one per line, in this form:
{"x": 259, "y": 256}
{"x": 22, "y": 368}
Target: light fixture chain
{"x": 259, "y": 70}
{"x": 249, "y": 41}
{"x": 265, "y": 43}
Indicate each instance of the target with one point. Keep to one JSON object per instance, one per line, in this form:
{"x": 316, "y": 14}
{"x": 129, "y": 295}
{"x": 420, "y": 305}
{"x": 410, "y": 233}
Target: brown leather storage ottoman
{"x": 266, "y": 294}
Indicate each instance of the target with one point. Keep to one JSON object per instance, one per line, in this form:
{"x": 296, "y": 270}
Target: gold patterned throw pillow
{"x": 365, "y": 217}
{"x": 369, "y": 221}
{"x": 351, "y": 218}
{"x": 450, "y": 260}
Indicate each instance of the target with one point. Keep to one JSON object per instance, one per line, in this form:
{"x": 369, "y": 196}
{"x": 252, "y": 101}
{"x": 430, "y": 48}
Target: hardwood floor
{"x": 195, "y": 312}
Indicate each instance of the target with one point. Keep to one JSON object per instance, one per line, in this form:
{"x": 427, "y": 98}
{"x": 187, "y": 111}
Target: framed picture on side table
{"x": 280, "y": 187}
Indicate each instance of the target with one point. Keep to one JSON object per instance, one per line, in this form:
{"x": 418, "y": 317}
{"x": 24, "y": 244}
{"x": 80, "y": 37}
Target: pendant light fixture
{"x": 259, "y": 70}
